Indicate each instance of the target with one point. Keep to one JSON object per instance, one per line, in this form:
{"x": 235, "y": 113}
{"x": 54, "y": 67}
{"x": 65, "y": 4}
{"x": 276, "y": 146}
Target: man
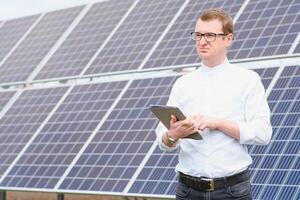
{"x": 228, "y": 106}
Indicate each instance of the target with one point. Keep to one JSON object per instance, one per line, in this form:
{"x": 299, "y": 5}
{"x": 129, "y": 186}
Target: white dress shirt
{"x": 226, "y": 92}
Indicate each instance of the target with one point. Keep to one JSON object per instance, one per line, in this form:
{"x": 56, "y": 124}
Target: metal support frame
{"x": 2, "y": 195}
{"x": 60, "y": 196}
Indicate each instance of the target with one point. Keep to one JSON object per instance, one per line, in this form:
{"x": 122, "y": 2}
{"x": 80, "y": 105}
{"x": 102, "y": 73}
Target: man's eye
{"x": 209, "y": 35}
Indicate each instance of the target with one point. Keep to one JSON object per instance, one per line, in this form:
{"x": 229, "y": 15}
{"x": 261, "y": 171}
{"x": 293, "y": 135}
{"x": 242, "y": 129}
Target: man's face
{"x": 215, "y": 50}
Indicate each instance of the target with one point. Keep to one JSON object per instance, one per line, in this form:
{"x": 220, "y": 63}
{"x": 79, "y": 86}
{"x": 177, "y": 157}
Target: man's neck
{"x": 213, "y": 63}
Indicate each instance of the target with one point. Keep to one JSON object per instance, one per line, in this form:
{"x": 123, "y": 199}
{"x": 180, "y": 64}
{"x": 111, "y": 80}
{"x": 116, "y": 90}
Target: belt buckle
{"x": 211, "y": 184}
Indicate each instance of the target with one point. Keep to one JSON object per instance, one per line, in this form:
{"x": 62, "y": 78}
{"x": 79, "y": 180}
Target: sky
{"x": 10, "y": 9}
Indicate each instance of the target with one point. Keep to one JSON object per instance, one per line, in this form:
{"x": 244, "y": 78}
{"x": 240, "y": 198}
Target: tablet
{"x": 163, "y": 113}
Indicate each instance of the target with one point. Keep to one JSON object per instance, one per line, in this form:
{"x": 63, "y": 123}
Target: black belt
{"x": 208, "y": 184}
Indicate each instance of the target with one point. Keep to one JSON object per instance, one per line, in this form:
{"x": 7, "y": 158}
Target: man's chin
{"x": 203, "y": 55}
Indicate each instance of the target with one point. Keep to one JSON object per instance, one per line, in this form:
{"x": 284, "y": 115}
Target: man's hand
{"x": 181, "y": 129}
{"x": 230, "y": 128}
{"x": 203, "y": 122}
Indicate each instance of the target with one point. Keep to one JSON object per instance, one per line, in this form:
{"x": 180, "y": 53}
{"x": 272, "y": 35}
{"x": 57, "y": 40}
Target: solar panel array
{"x": 61, "y": 138}
{"x": 84, "y": 41}
{"x": 120, "y": 145}
{"x": 22, "y": 120}
{"x": 98, "y": 137}
{"x": 134, "y": 39}
{"x": 276, "y": 167}
{"x": 266, "y": 28}
{"x": 36, "y": 45}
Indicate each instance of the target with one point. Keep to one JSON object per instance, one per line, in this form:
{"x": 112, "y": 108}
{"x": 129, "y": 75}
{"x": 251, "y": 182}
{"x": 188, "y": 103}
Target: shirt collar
{"x": 205, "y": 68}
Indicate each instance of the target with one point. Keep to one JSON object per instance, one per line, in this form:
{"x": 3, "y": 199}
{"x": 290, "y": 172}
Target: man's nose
{"x": 202, "y": 41}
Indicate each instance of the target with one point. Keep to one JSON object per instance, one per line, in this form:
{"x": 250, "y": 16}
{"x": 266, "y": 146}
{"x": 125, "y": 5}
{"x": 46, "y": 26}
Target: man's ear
{"x": 229, "y": 39}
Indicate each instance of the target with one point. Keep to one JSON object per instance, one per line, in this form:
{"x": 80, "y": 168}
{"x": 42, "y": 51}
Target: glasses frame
{"x": 205, "y": 35}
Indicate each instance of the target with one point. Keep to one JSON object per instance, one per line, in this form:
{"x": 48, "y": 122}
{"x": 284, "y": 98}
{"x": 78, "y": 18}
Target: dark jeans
{"x": 240, "y": 191}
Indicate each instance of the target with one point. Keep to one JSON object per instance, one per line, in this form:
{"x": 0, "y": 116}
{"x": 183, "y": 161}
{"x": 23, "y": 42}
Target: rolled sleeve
{"x": 160, "y": 130}
{"x": 256, "y": 129}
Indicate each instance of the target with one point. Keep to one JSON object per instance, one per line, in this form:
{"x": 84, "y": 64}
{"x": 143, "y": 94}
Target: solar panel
{"x": 177, "y": 48}
{"x": 84, "y": 41}
{"x": 266, "y": 75}
{"x": 266, "y": 28}
{"x": 12, "y": 31}
{"x": 275, "y": 170}
{"x": 60, "y": 140}
{"x": 118, "y": 148}
{"x": 136, "y": 36}
{"x": 5, "y": 97}
{"x": 158, "y": 175}
{"x": 23, "y": 119}
{"x": 36, "y": 45}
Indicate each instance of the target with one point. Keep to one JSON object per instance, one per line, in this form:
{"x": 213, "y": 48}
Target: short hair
{"x": 221, "y": 15}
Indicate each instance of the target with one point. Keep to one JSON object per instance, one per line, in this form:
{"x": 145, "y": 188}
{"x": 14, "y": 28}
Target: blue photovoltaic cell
{"x": 23, "y": 119}
{"x": 177, "y": 47}
{"x": 266, "y": 28}
{"x": 12, "y": 31}
{"x": 36, "y": 45}
{"x": 275, "y": 169}
{"x": 80, "y": 46}
{"x": 60, "y": 140}
{"x": 4, "y": 98}
{"x": 136, "y": 36}
{"x": 122, "y": 142}
{"x": 266, "y": 75}
{"x": 158, "y": 175}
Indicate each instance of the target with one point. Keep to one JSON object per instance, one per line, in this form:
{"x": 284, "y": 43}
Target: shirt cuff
{"x": 162, "y": 145}
{"x": 246, "y": 136}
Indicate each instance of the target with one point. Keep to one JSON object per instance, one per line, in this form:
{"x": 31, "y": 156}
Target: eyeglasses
{"x": 209, "y": 37}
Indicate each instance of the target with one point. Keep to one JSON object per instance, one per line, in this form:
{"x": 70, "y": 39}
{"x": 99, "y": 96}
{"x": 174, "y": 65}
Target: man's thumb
{"x": 173, "y": 119}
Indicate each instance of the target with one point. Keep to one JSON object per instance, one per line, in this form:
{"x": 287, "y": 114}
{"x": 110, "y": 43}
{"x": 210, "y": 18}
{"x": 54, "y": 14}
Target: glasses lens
{"x": 194, "y": 35}
{"x": 210, "y": 37}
